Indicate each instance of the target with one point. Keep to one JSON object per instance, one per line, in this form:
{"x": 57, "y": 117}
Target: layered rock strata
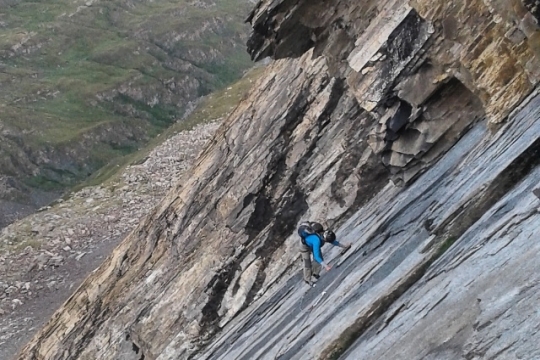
{"x": 413, "y": 64}
{"x": 44, "y": 255}
{"x": 363, "y": 92}
{"x": 401, "y": 294}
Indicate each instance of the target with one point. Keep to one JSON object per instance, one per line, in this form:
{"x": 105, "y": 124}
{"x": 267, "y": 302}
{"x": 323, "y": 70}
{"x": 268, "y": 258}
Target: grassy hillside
{"x": 83, "y": 82}
{"x": 213, "y": 107}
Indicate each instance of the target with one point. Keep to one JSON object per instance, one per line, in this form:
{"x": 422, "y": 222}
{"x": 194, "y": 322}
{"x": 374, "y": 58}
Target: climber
{"x": 313, "y": 237}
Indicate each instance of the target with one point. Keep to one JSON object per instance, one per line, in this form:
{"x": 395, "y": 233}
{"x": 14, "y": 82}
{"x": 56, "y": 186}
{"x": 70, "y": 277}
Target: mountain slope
{"x": 410, "y": 128}
{"x": 82, "y": 82}
{"x": 44, "y": 255}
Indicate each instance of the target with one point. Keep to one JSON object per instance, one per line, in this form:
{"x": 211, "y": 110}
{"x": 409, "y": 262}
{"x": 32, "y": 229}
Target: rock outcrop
{"x": 45, "y": 254}
{"x": 412, "y": 128}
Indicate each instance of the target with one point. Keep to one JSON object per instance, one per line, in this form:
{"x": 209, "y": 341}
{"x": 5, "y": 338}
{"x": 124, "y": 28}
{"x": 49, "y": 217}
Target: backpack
{"x": 309, "y": 228}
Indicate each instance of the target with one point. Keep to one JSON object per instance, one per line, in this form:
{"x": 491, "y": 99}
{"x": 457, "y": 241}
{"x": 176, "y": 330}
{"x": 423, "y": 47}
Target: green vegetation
{"x": 24, "y": 243}
{"x": 213, "y": 107}
{"x": 444, "y": 246}
{"x": 85, "y": 83}
{"x": 41, "y": 182}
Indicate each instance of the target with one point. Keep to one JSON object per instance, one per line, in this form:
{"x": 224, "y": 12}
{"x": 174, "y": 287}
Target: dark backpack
{"x": 309, "y": 228}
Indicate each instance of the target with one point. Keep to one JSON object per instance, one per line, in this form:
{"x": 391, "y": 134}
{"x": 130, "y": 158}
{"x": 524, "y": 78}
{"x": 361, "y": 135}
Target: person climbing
{"x": 313, "y": 237}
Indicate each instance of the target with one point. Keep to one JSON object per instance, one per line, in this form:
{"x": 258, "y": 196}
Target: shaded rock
{"x": 56, "y": 261}
{"x": 238, "y": 291}
{"x": 10, "y": 290}
{"x": 537, "y": 193}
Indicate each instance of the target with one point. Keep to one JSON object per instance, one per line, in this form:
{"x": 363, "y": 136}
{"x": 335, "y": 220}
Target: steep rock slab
{"x": 479, "y": 300}
{"x": 226, "y": 235}
{"x": 465, "y": 303}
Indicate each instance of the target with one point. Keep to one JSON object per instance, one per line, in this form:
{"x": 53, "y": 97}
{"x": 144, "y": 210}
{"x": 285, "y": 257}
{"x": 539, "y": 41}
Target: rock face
{"x": 412, "y": 128}
{"x": 44, "y": 255}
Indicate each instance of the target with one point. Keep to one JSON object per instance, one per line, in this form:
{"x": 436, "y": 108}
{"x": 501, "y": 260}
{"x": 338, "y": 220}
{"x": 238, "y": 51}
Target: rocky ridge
{"x": 57, "y": 240}
{"x": 412, "y": 128}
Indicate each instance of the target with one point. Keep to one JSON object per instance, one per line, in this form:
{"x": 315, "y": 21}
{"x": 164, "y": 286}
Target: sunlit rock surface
{"x": 479, "y": 298}
{"x": 413, "y": 129}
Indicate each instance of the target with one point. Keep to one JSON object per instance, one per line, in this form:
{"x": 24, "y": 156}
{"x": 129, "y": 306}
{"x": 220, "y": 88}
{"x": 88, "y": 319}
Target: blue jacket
{"x": 315, "y": 243}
